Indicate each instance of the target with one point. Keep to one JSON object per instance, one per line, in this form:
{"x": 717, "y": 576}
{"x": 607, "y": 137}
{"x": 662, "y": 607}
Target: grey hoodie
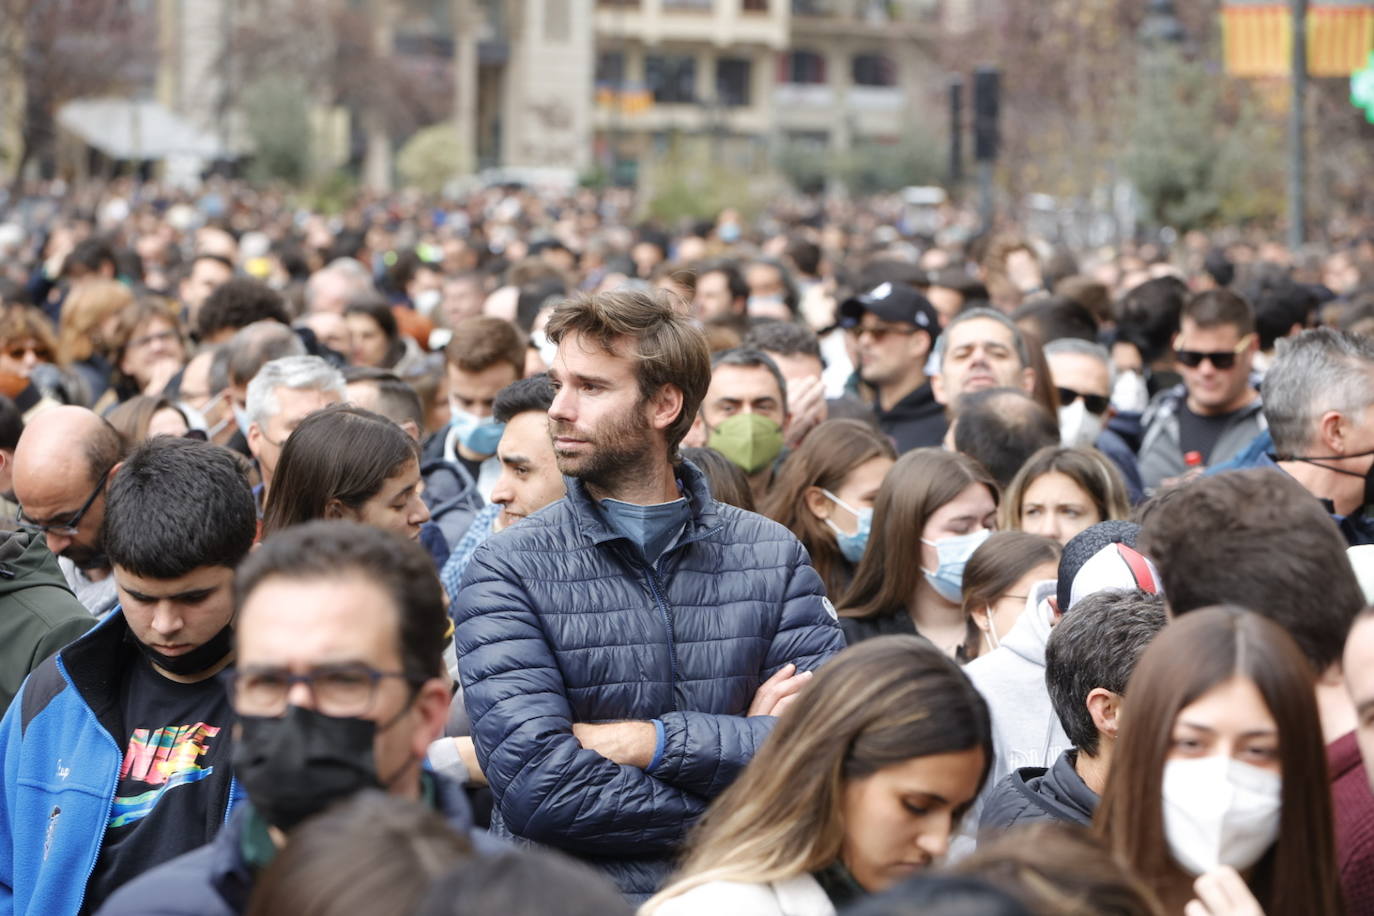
{"x": 1025, "y": 730}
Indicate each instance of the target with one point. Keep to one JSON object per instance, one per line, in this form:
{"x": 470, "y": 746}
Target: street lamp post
{"x": 1297, "y": 130}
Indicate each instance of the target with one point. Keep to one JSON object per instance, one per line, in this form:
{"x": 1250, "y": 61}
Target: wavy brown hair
{"x": 882, "y": 703}
{"x": 19, "y": 323}
{"x": 668, "y": 348}
{"x": 1191, "y": 656}
{"x": 827, "y": 455}
{"x": 919, "y": 483}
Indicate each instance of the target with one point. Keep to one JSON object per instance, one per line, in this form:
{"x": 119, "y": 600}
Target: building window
{"x": 688, "y": 6}
{"x": 754, "y": 6}
{"x": 874, "y": 70}
{"x": 805, "y": 67}
{"x": 610, "y": 69}
{"x": 733, "y": 76}
{"x": 671, "y": 77}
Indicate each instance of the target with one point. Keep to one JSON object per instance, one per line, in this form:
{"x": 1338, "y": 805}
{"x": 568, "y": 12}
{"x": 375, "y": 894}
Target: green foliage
{"x": 333, "y": 193}
{"x": 866, "y": 168}
{"x": 688, "y": 183}
{"x": 1202, "y": 150}
{"x": 432, "y": 158}
{"x": 278, "y": 121}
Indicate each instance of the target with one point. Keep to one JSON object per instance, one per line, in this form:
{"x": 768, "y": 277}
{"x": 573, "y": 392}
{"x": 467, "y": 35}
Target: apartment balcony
{"x": 721, "y": 23}
{"x": 863, "y": 17}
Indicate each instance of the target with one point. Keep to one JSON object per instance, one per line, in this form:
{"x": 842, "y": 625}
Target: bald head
{"x": 62, "y": 458}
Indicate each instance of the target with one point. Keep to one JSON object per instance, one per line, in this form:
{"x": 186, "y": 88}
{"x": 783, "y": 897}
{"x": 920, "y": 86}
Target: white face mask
{"x": 427, "y": 300}
{"x": 1219, "y": 811}
{"x": 1077, "y": 427}
{"x": 1130, "y": 394}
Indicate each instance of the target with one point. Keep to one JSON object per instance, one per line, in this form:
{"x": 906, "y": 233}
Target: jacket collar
{"x": 232, "y": 876}
{"x": 592, "y": 524}
{"x": 94, "y": 664}
{"x": 919, "y": 402}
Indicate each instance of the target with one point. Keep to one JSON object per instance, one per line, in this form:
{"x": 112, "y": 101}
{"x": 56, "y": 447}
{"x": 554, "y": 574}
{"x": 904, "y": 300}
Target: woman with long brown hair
{"x": 859, "y": 786}
{"x": 935, "y": 508}
{"x": 824, "y": 495}
{"x": 1218, "y": 783}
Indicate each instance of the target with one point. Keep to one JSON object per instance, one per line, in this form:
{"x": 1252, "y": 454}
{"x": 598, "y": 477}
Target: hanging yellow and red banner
{"x": 1257, "y": 37}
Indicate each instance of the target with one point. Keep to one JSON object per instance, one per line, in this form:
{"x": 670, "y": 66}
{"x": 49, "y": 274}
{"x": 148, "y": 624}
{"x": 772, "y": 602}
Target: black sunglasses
{"x": 1096, "y": 403}
{"x": 1223, "y": 359}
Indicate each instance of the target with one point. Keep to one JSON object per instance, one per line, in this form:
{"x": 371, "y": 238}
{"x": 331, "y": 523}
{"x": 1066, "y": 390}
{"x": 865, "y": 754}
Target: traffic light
{"x": 986, "y": 84}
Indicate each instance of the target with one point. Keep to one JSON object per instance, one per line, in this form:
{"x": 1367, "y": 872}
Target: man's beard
{"x": 614, "y": 453}
{"x": 86, "y": 557}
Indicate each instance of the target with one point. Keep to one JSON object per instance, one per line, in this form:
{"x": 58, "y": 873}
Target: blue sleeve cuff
{"x": 659, "y": 741}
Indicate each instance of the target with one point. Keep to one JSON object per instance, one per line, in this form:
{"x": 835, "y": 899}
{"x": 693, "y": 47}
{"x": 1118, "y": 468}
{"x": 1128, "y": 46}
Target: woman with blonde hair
{"x": 90, "y": 315}
{"x": 859, "y": 786}
{"x": 1061, "y": 491}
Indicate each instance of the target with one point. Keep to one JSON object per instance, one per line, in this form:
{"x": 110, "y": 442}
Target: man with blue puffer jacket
{"x": 115, "y": 755}
{"x": 623, "y": 651}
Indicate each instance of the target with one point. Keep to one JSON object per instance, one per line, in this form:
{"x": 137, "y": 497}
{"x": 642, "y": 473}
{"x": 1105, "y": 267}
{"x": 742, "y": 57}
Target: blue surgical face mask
{"x": 851, "y": 545}
{"x": 948, "y": 578}
{"x": 479, "y": 435}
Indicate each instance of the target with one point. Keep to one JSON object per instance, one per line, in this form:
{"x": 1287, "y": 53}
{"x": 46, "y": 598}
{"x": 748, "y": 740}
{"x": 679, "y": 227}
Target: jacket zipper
{"x": 652, "y": 572}
{"x": 662, "y": 603}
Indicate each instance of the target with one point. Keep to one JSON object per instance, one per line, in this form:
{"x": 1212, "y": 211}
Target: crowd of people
{"x": 505, "y": 555}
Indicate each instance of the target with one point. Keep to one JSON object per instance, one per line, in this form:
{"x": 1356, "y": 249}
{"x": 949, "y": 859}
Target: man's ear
{"x": 665, "y": 405}
{"x": 920, "y": 347}
{"x": 254, "y": 438}
{"x": 1105, "y": 708}
{"x": 411, "y": 429}
{"x": 1028, "y": 380}
{"x": 937, "y": 389}
{"x": 431, "y": 706}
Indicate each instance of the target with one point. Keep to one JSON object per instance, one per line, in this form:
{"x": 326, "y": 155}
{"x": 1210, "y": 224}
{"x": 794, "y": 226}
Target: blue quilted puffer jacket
{"x": 560, "y": 621}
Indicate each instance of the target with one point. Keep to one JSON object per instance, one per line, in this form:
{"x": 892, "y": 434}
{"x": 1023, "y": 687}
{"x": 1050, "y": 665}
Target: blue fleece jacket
{"x": 59, "y": 774}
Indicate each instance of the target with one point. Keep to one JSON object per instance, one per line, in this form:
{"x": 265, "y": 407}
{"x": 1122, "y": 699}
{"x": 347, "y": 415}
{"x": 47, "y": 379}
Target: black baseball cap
{"x": 892, "y": 302}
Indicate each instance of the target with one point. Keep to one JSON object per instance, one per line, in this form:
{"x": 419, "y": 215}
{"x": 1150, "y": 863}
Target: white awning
{"x": 128, "y": 129}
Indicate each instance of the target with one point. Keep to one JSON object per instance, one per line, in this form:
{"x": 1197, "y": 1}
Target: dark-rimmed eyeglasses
{"x": 63, "y": 527}
{"x": 1221, "y": 359}
{"x": 1095, "y": 403}
{"x": 344, "y": 691}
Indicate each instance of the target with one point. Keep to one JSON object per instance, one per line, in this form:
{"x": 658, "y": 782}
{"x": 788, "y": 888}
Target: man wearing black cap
{"x": 895, "y": 328}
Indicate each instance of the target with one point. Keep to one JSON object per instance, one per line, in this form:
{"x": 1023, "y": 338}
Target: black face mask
{"x": 298, "y": 764}
{"x": 198, "y": 659}
{"x": 1368, "y": 474}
